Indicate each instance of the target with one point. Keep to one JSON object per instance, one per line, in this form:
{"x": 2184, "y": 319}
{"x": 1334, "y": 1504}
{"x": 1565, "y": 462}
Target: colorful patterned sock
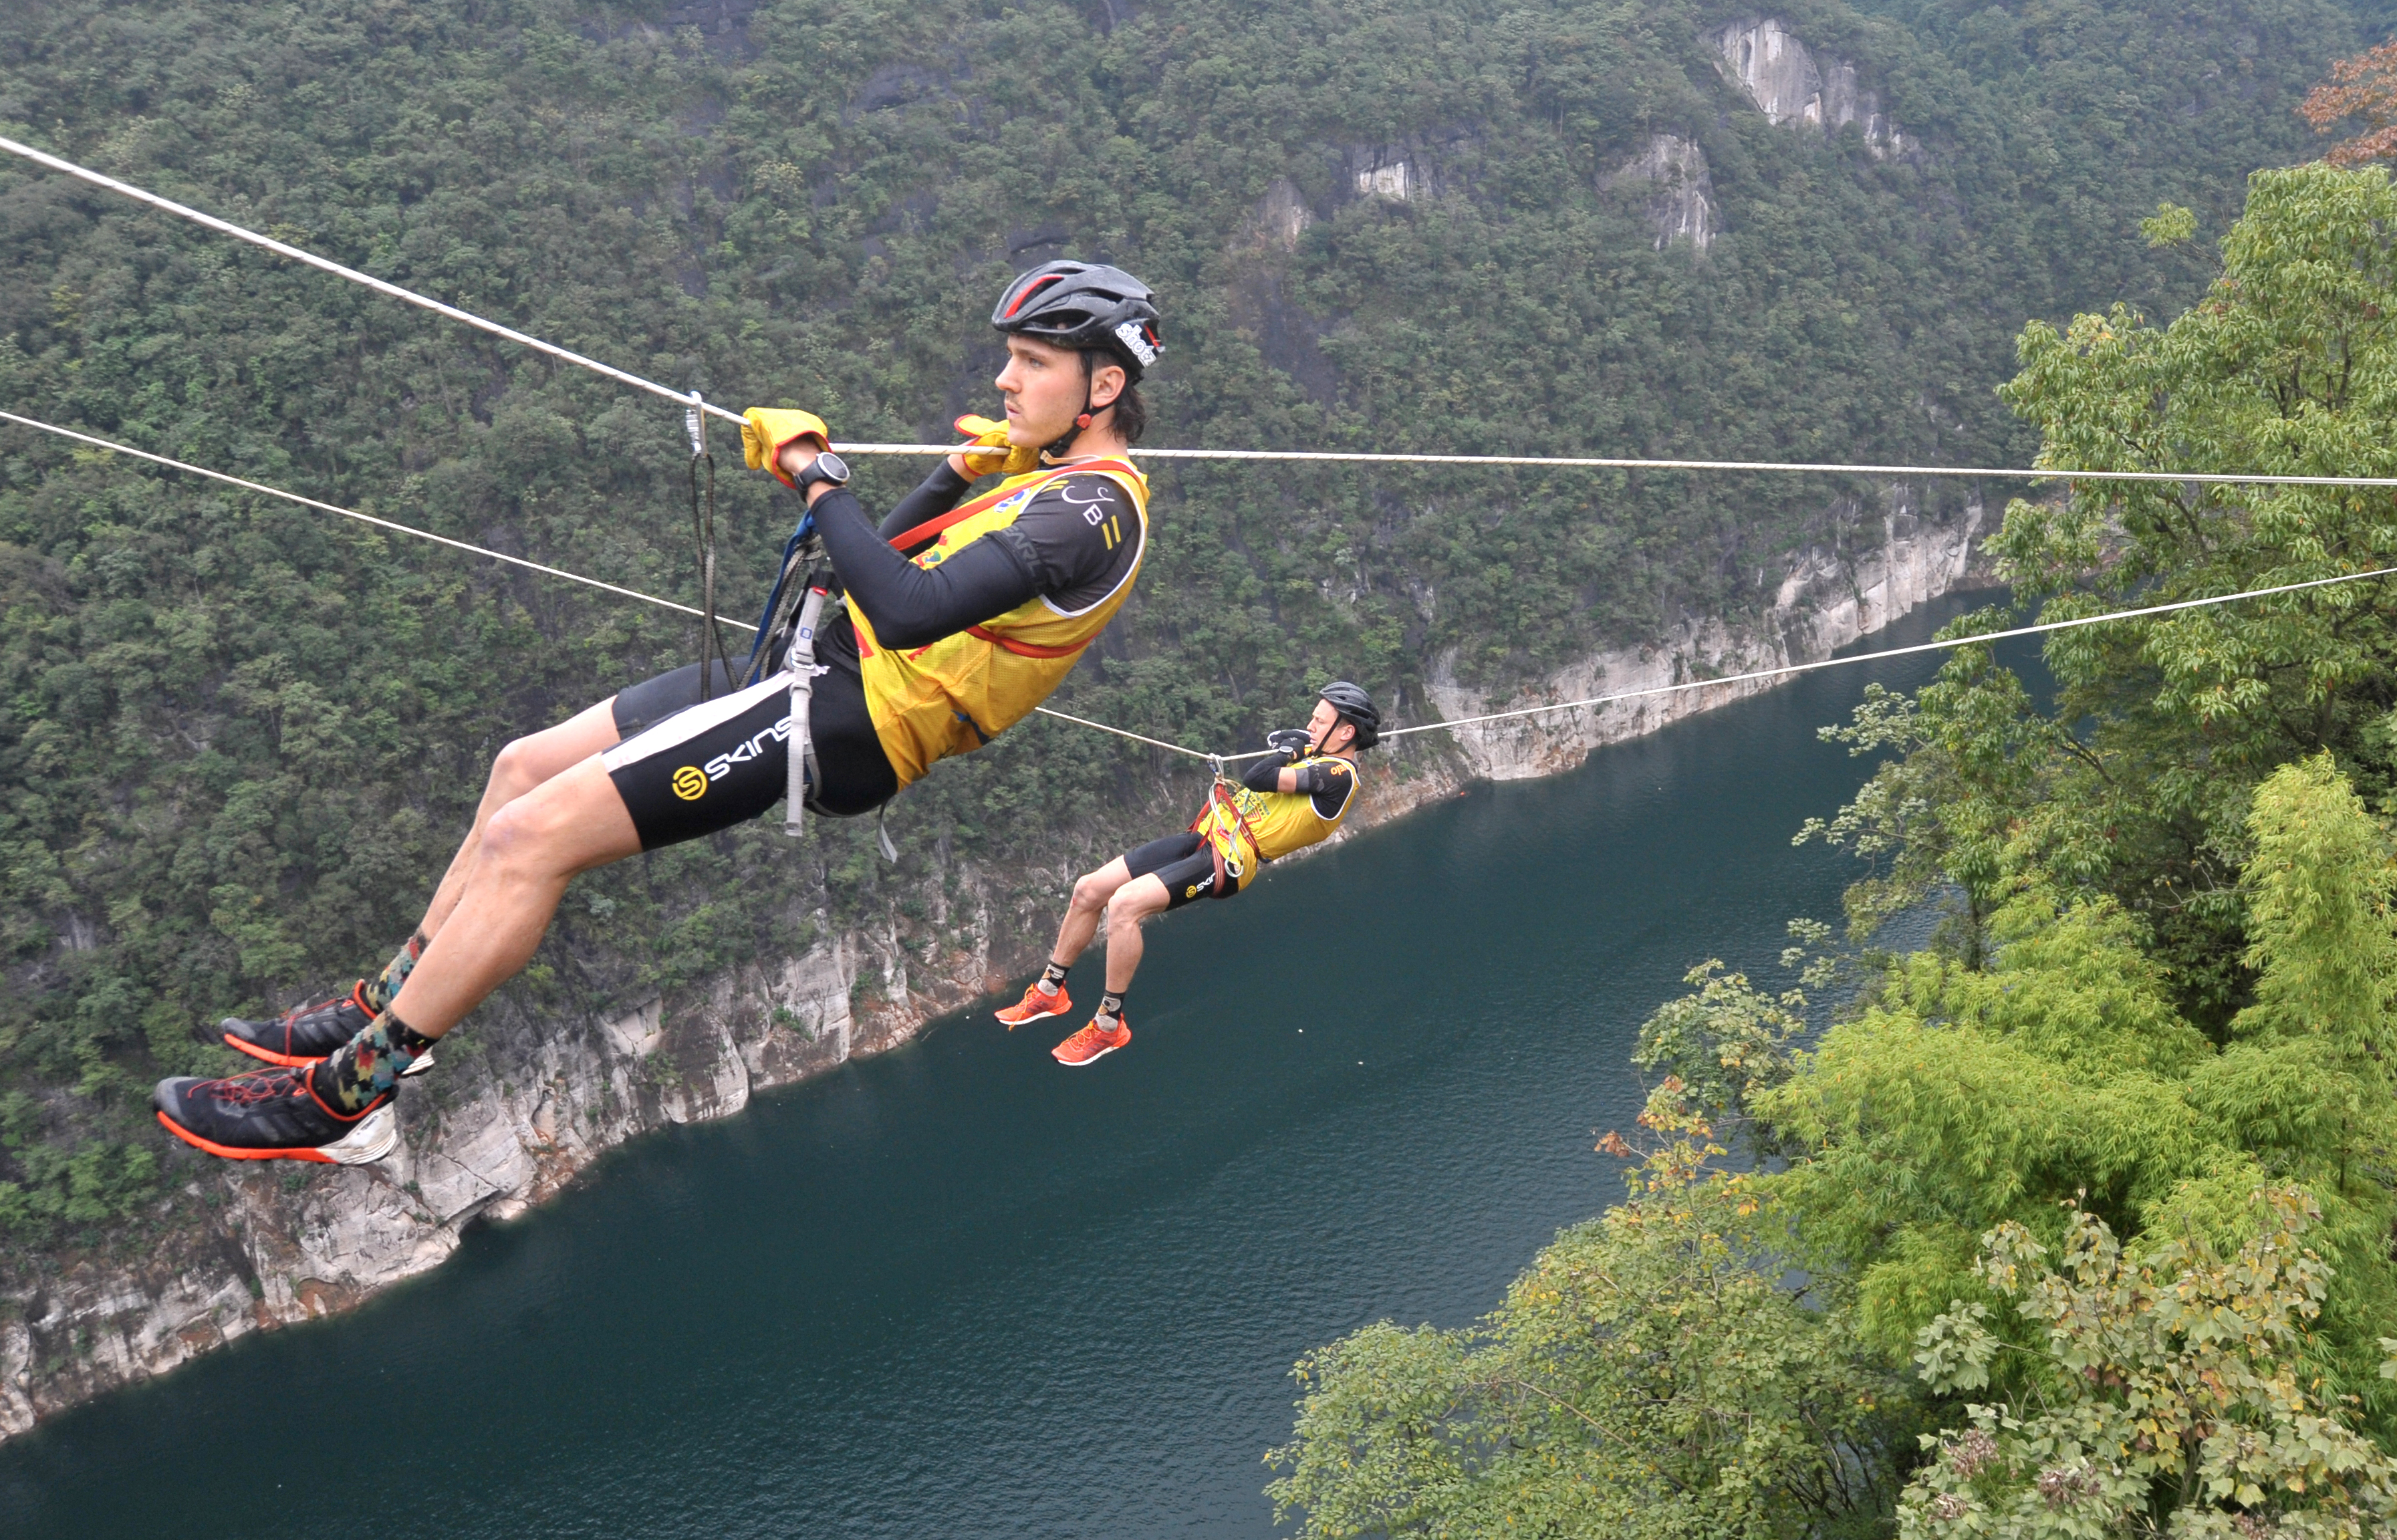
{"x": 384, "y": 986}
{"x": 1111, "y": 1005}
{"x": 368, "y": 1064}
{"x": 1053, "y": 978}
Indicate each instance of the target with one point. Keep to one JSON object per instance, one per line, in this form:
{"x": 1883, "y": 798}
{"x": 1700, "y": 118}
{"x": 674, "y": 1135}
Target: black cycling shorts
{"x": 690, "y": 767}
{"x": 1184, "y": 863}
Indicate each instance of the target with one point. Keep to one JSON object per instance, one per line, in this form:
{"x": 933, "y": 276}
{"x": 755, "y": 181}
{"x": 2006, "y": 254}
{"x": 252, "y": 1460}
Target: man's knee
{"x": 1092, "y": 892}
{"x": 515, "y": 770}
{"x": 1134, "y": 903}
{"x": 519, "y": 837}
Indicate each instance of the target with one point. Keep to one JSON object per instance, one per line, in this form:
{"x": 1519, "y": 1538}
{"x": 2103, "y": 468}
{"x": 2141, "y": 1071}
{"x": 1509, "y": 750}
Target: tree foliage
{"x": 2363, "y": 88}
{"x": 2171, "y": 1396}
{"x": 239, "y": 739}
{"x": 2151, "y": 1037}
{"x": 1650, "y": 1375}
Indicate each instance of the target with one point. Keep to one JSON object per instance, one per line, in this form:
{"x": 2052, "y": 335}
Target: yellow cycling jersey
{"x": 954, "y": 695}
{"x": 1249, "y": 828}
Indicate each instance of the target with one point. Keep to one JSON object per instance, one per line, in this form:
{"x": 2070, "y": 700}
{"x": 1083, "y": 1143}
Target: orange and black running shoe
{"x": 1034, "y": 1006}
{"x": 273, "y": 1114}
{"x": 1091, "y": 1044}
{"x": 303, "y": 1035}
{"x": 309, "y": 1033}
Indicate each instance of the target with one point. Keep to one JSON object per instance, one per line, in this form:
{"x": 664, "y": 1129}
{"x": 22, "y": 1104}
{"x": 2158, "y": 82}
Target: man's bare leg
{"x": 1130, "y": 903}
{"x": 1141, "y": 899}
{"x": 1092, "y": 892}
{"x": 1047, "y": 996}
{"x": 521, "y": 766}
{"x": 527, "y": 852}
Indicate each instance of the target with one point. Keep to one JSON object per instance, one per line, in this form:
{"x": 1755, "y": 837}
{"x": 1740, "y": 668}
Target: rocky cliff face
{"x": 1791, "y": 83}
{"x": 1672, "y": 173}
{"x": 528, "y": 1097}
{"x": 1827, "y": 597}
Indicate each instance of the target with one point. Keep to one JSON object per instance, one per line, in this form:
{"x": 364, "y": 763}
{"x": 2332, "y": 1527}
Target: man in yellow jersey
{"x": 1288, "y": 800}
{"x": 962, "y": 615}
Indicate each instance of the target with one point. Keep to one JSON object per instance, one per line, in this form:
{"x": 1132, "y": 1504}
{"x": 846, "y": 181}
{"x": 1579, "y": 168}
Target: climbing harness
{"x": 1221, "y": 817}
{"x": 703, "y": 530}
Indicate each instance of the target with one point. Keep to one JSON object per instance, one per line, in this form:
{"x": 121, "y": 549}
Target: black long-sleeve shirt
{"x": 1329, "y": 787}
{"x": 1072, "y": 546}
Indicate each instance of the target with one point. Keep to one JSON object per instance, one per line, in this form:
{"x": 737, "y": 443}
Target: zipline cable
{"x": 381, "y": 286}
{"x": 283, "y": 248}
{"x": 348, "y": 513}
{"x": 1779, "y": 672}
{"x": 1794, "y": 467}
{"x": 1940, "y": 644}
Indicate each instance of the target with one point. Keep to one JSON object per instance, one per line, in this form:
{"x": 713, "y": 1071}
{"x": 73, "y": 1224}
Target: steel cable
{"x": 382, "y": 286}
{"x": 1781, "y": 671}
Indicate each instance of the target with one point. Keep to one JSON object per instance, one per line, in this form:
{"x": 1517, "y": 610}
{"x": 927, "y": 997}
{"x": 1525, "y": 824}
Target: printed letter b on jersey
{"x": 690, "y": 782}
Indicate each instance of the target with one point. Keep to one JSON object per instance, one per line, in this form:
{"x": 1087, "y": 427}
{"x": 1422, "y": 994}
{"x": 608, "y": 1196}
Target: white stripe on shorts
{"x": 692, "y": 722}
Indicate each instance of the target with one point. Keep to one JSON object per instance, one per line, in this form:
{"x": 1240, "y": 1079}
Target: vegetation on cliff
{"x": 240, "y": 739}
{"x": 2092, "y": 1196}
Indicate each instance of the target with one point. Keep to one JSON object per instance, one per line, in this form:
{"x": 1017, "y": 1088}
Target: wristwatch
{"x": 827, "y": 467}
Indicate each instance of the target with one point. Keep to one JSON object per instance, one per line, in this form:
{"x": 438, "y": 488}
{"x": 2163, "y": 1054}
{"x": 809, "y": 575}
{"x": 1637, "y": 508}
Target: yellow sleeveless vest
{"x": 1249, "y": 828}
{"x": 954, "y": 695}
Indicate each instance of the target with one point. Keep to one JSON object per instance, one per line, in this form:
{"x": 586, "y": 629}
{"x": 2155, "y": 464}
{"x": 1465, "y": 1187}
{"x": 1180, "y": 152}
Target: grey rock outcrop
{"x": 511, "y": 1112}
{"x": 1391, "y": 180}
{"x": 1681, "y": 195}
{"x": 1791, "y": 83}
{"x": 1282, "y": 215}
{"x": 1827, "y": 597}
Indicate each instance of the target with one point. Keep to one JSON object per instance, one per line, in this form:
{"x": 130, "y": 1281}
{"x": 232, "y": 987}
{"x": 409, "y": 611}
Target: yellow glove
{"x": 993, "y": 436}
{"x": 765, "y": 430}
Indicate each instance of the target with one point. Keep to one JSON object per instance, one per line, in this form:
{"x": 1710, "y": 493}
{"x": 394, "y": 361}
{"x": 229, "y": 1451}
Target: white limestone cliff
{"x": 1681, "y": 195}
{"x": 1791, "y": 83}
{"x": 1827, "y": 597}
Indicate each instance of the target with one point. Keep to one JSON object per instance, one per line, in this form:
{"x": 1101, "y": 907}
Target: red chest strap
{"x": 964, "y": 511}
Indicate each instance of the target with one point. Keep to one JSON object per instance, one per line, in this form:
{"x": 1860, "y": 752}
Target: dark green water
{"x": 958, "y": 1291}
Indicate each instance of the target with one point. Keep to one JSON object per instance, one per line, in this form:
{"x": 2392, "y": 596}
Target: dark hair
{"x": 1132, "y": 412}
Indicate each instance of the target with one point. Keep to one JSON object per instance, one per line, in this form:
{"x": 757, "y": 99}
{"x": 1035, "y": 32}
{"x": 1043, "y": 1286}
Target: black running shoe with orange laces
{"x": 309, "y": 1033}
{"x": 303, "y": 1035}
{"x": 273, "y": 1114}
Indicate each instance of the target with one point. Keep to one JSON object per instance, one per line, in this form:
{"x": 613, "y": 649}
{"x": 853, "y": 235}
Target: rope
{"x": 1217, "y": 762}
{"x": 349, "y": 513}
{"x": 281, "y": 248}
{"x": 1793, "y": 467}
{"x": 1553, "y": 462}
{"x": 1138, "y": 738}
{"x": 1888, "y": 652}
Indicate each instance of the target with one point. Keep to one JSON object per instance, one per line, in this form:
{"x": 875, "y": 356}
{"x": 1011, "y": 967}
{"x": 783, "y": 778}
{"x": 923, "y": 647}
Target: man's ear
{"x": 1106, "y": 383}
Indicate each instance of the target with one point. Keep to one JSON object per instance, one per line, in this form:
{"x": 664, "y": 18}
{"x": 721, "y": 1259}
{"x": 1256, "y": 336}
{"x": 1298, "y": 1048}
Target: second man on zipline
{"x": 962, "y": 616}
{"x": 1288, "y": 800}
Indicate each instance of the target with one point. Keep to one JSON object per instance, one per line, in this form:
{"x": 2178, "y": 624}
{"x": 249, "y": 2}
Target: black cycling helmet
{"x": 1084, "y": 305}
{"x": 1356, "y": 708}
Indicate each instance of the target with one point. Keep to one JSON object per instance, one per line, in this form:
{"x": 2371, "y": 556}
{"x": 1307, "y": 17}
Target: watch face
{"x": 832, "y": 468}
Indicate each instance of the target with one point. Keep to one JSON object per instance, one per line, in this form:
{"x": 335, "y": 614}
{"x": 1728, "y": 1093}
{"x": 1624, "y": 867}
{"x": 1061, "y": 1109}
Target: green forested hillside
{"x": 240, "y": 739}
{"x": 2077, "y": 1220}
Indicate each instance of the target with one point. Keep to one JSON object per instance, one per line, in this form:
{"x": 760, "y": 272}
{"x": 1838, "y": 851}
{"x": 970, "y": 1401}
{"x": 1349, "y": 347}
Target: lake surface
{"x": 958, "y": 1291}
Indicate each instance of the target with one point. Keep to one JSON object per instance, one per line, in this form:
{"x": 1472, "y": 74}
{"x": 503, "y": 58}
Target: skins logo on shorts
{"x": 1191, "y": 892}
{"x": 690, "y": 782}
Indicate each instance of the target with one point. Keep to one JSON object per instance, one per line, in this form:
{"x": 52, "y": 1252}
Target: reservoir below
{"x": 959, "y": 1290}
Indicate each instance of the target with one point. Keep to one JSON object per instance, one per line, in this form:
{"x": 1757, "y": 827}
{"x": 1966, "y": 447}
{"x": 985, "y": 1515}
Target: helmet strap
{"x": 1081, "y": 419}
